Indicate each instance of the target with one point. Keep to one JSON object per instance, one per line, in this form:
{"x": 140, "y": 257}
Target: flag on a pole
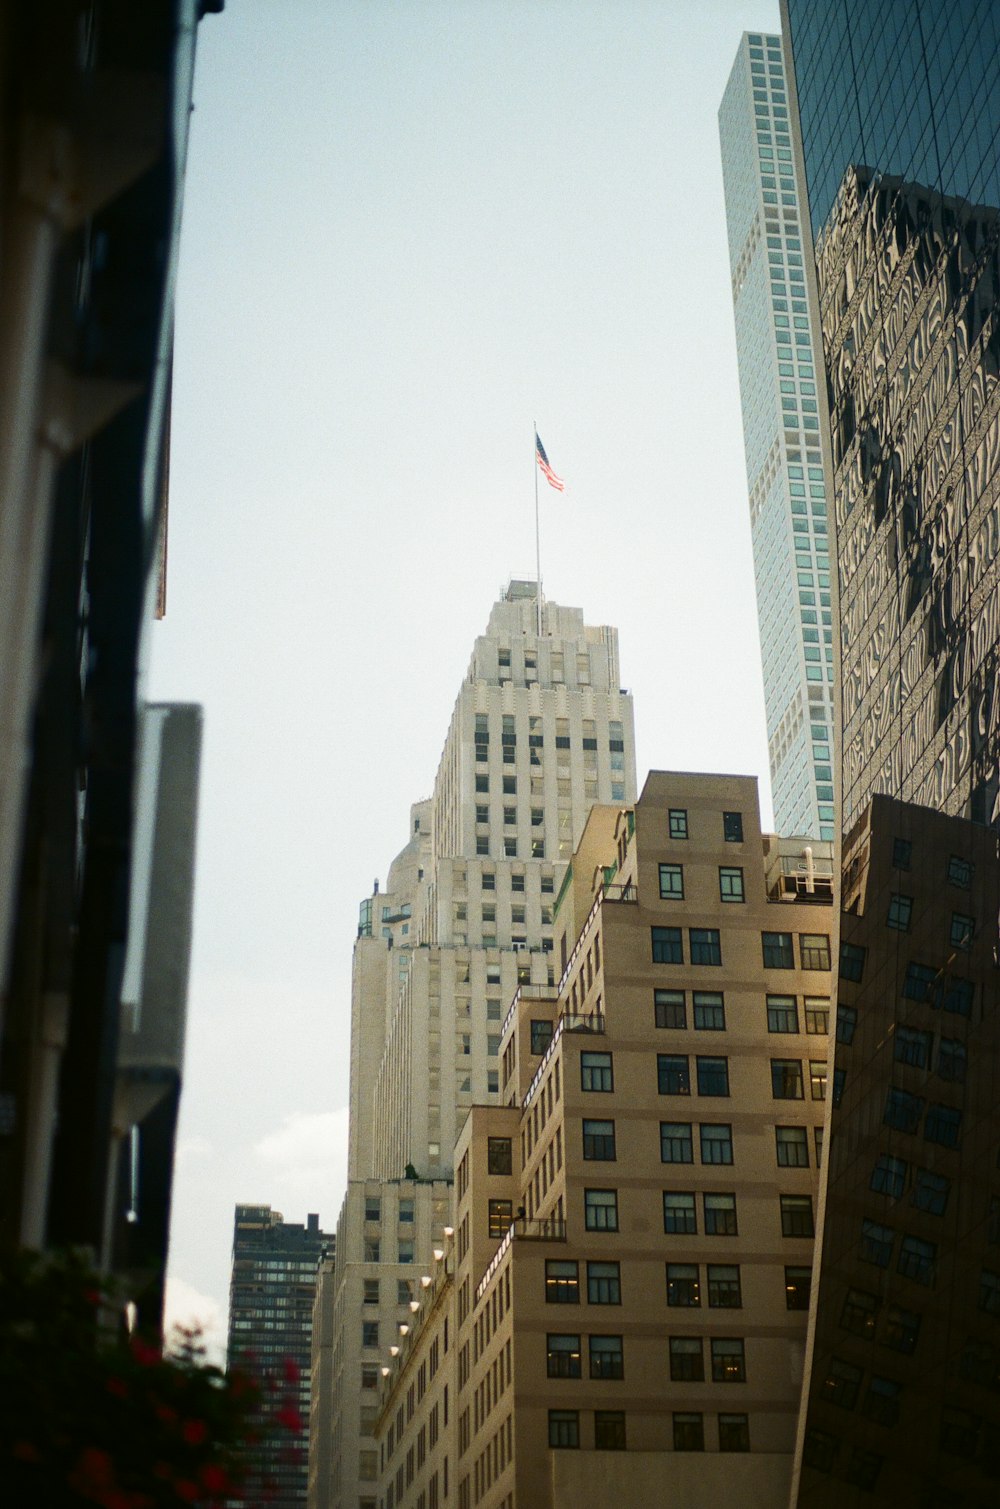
{"x": 543, "y": 462}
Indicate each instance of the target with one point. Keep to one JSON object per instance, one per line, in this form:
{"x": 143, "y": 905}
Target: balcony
{"x": 521, "y": 1230}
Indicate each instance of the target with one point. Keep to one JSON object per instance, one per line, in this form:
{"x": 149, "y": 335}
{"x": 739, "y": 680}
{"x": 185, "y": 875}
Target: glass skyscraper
{"x": 788, "y": 509}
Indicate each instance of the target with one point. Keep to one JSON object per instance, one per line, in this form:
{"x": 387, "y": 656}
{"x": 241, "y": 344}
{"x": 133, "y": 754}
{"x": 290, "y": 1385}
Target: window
{"x": 792, "y": 1147}
{"x": 599, "y": 1141}
{"x": 679, "y": 1217}
{"x": 541, "y": 1036}
{"x": 709, "y": 1011}
{"x": 852, "y": 962}
{"x": 731, "y": 884}
{"x": 911, "y": 1046}
{"x": 687, "y": 1362}
{"x": 683, "y": 1290}
{"x": 675, "y": 1142}
{"x": 373, "y": 1208}
{"x": 713, "y": 1076}
{"x": 916, "y": 1259}
{"x": 859, "y": 1312}
{"x": 817, "y": 1078}
{"x": 728, "y": 1360}
{"x": 876, "y": 1243}
{"x": 901, "y": 852}
{"x": 606, "y": 1357}
{"x": 841, "y": 1384}
{"x": 604, "y": 1284}
{"x": 960, "y": 872}
{"x": 962, "y": 930}
{"x": 404, "y": 1251}
{"x": 669, "y": 1009}
{"x": 600, "y": 1208}
{"x": 406, "y": 1211}
{"x": 951, "y": 1062}
{"x": 847, "y": 1021}
{"x": 562, "y": 1282}
{"x": 668, "y": 947}
{"x": 902, "y": 1328}
{"x": 814, "y": 950}
{"x": 919, "y": 980}
{"x": 734, "y": 1433}
{"x": 677, "y": 819}
{"x": 889, "y": 1176}
{"x": 501, "y": 1214}
{"x": 609, "y": 1430}
{"x": 371, "y": 1249}
{"x": 786, "y": 1079}
{"x": 596, "y": 1072}
{"x": 562, "y": 1356}
{"x": 716, "y": 1144}
{"x": 369, "y": 1375}
{"x": 930, "y": 1192}
{"x": 902, "y": 1110}
{"x": 706, "y": 947}
{"x": 371, "y": 1291}
{"x": 720, "y": 1215}
{"x": 782, "y": 1014}
{"x": 404, "y": 1291}
{"x": 672, "y": 882}
{"x": 900, "y": 911}
{"x": 564, "y": 1428}
{"x": 369, "y": 1333}
{"x": 498, "y": 1155}
{"x": 796, "y": 1216}
{"x": 798, "y": 1285}
{"x": 724, "y": 1289}
{"x": 732, "y": 827}
{"x": 777, "y": 950}
{"x": 943, "y": 1125}
{"x": 673, "y": 1074}
{"x": 689, "y": 1431}
{"x": 989, "y": 1291}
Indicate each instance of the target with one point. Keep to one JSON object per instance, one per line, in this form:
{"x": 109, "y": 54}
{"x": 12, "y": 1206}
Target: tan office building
{"x": 632, "y": 1249}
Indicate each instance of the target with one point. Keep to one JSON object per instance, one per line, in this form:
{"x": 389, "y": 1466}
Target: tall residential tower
{"x": 788, "y": 510}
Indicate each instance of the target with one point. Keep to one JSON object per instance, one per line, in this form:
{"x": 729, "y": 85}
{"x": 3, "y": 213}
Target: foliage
{"x": 90, "y": 1415}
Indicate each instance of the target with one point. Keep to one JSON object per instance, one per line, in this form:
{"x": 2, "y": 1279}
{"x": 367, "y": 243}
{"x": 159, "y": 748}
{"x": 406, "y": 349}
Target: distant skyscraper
{"x": 788, "y": 510}
{"x": 275, "y": 1264}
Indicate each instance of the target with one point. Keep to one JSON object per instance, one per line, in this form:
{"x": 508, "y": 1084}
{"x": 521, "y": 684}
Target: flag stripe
{"x": 548, "y": 473}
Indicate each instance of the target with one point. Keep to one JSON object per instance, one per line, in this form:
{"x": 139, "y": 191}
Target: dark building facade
{"x": 899, "y": 108}
{"x": 275, "y": 1268}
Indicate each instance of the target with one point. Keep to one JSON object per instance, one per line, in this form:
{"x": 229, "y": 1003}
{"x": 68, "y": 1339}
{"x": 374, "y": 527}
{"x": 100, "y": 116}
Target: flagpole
{"x": 538, "y": 545}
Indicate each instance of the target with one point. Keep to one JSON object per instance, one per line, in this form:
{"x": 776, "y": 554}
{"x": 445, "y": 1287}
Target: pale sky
{"x": 412, "y": 228}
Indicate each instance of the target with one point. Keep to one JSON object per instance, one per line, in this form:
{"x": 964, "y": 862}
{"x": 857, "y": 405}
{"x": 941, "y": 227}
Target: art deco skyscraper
{"x": 788, "y": 507}
{"x": 540, "y": 732}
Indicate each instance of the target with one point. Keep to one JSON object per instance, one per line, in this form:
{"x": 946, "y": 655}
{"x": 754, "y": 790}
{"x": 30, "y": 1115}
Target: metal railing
{"x": 548, "y": 1229}
{"x": 570, "y": 1021}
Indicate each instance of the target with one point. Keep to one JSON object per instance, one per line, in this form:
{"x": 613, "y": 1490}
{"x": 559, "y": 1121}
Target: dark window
{"x": 609, "y": 1430}
{"x": 930, "y": 1191}
{"x": 951, "y": 1061}
{"x": 668, "y": 947}
{"x": 562, "y": 1356}
{"x": 963, "y": 930}
{"x": 852, "y": 962}
{"x": 798, "y": 1285}
{"x": 881, "y": 1402}
{"x": 796, "y": 1216}
{"x": 501, "y": 1214}
{"x": 596, "y": 1072}
{"x": 792, "y": 1147}
{"x": 841, "y": 1384}
{"x": 716, "y": 1144}
{"x": 847, "y": 1021}
{"x": 734, "y": 1433}
{"x": 777, "y": 950}
{"x": 672, "y": 882}
{"x": 724, "y": 1289}
{"x": 989, "y": 1291}
{"x": 960, "y": 872}
{"x": 782, "y": 1014}
{"x": 728, "y": 1360}
{"x": 373, "y": 1209}
{"x": 917, "y": 1259}
{"x": 687, "y": 1363}
{"x": 955, "y": 995}
{"x": 689, "y": 1431}
{"x": 606, "y": 1358}
{"x": 683, "y": 1289}
{"x": 919, "y": 981}
{"x": 814, "y": 950}
{"x": 600, "y": 1209}
{"x": 604, "y": 1284}
{"x": 731, "y": 884}
{"x": 943, "y": 1125}
{"x": 675, "y": 1142}
{"x": 498, "y": 1155}
{"x": 786, "y": 1079}
{"x": 678, "y": 821}
{"x": 709, "y": 1011}
{"x": 713, "y": 1076}
{"x": 562, "y": 1282}
{"x": 859, "y": 1312}
{"x": 902, "y": 1328}
{"x": 876, "y": 1243}
{"x": 900, "y": 911}
{"x": 599, "y": 1141}
{"x": 669, "y": 1009}
{"x": 541, "y": 1036}
{"x": 911, "y": 1046}
{"x": 564, "y": 1427}
{"x": 902, "y": 1110}
{"x": 679, "y": 1217}
{"x": 369, "y": 1333}
{"x": 889, "y": 1176}
{"x": 673, "y": 1074}
{"x": 720, "y": 1215}
{"x": 732, "y": 827}
{"x": 706, "y": 947}
{"x": 901, "y": 851}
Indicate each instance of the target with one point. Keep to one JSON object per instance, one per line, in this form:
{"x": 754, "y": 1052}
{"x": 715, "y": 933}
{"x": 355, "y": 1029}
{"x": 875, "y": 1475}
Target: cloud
{"x": 305, "y": 1164}
{"x": 186, "y": 1307}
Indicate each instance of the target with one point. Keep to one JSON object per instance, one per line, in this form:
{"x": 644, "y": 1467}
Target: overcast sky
{"x": 411, "y": 228}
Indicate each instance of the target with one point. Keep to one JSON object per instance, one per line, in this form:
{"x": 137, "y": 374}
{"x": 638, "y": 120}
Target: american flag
{"x": 549, "y": 474}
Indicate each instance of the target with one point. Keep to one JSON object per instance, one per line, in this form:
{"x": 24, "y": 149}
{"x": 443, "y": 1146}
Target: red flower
{"x": 215, "y": 1478}
{"x": 289, "y": 1417}
{"x": 290, "y": 1370}
{"x": 194, "y": 1432}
